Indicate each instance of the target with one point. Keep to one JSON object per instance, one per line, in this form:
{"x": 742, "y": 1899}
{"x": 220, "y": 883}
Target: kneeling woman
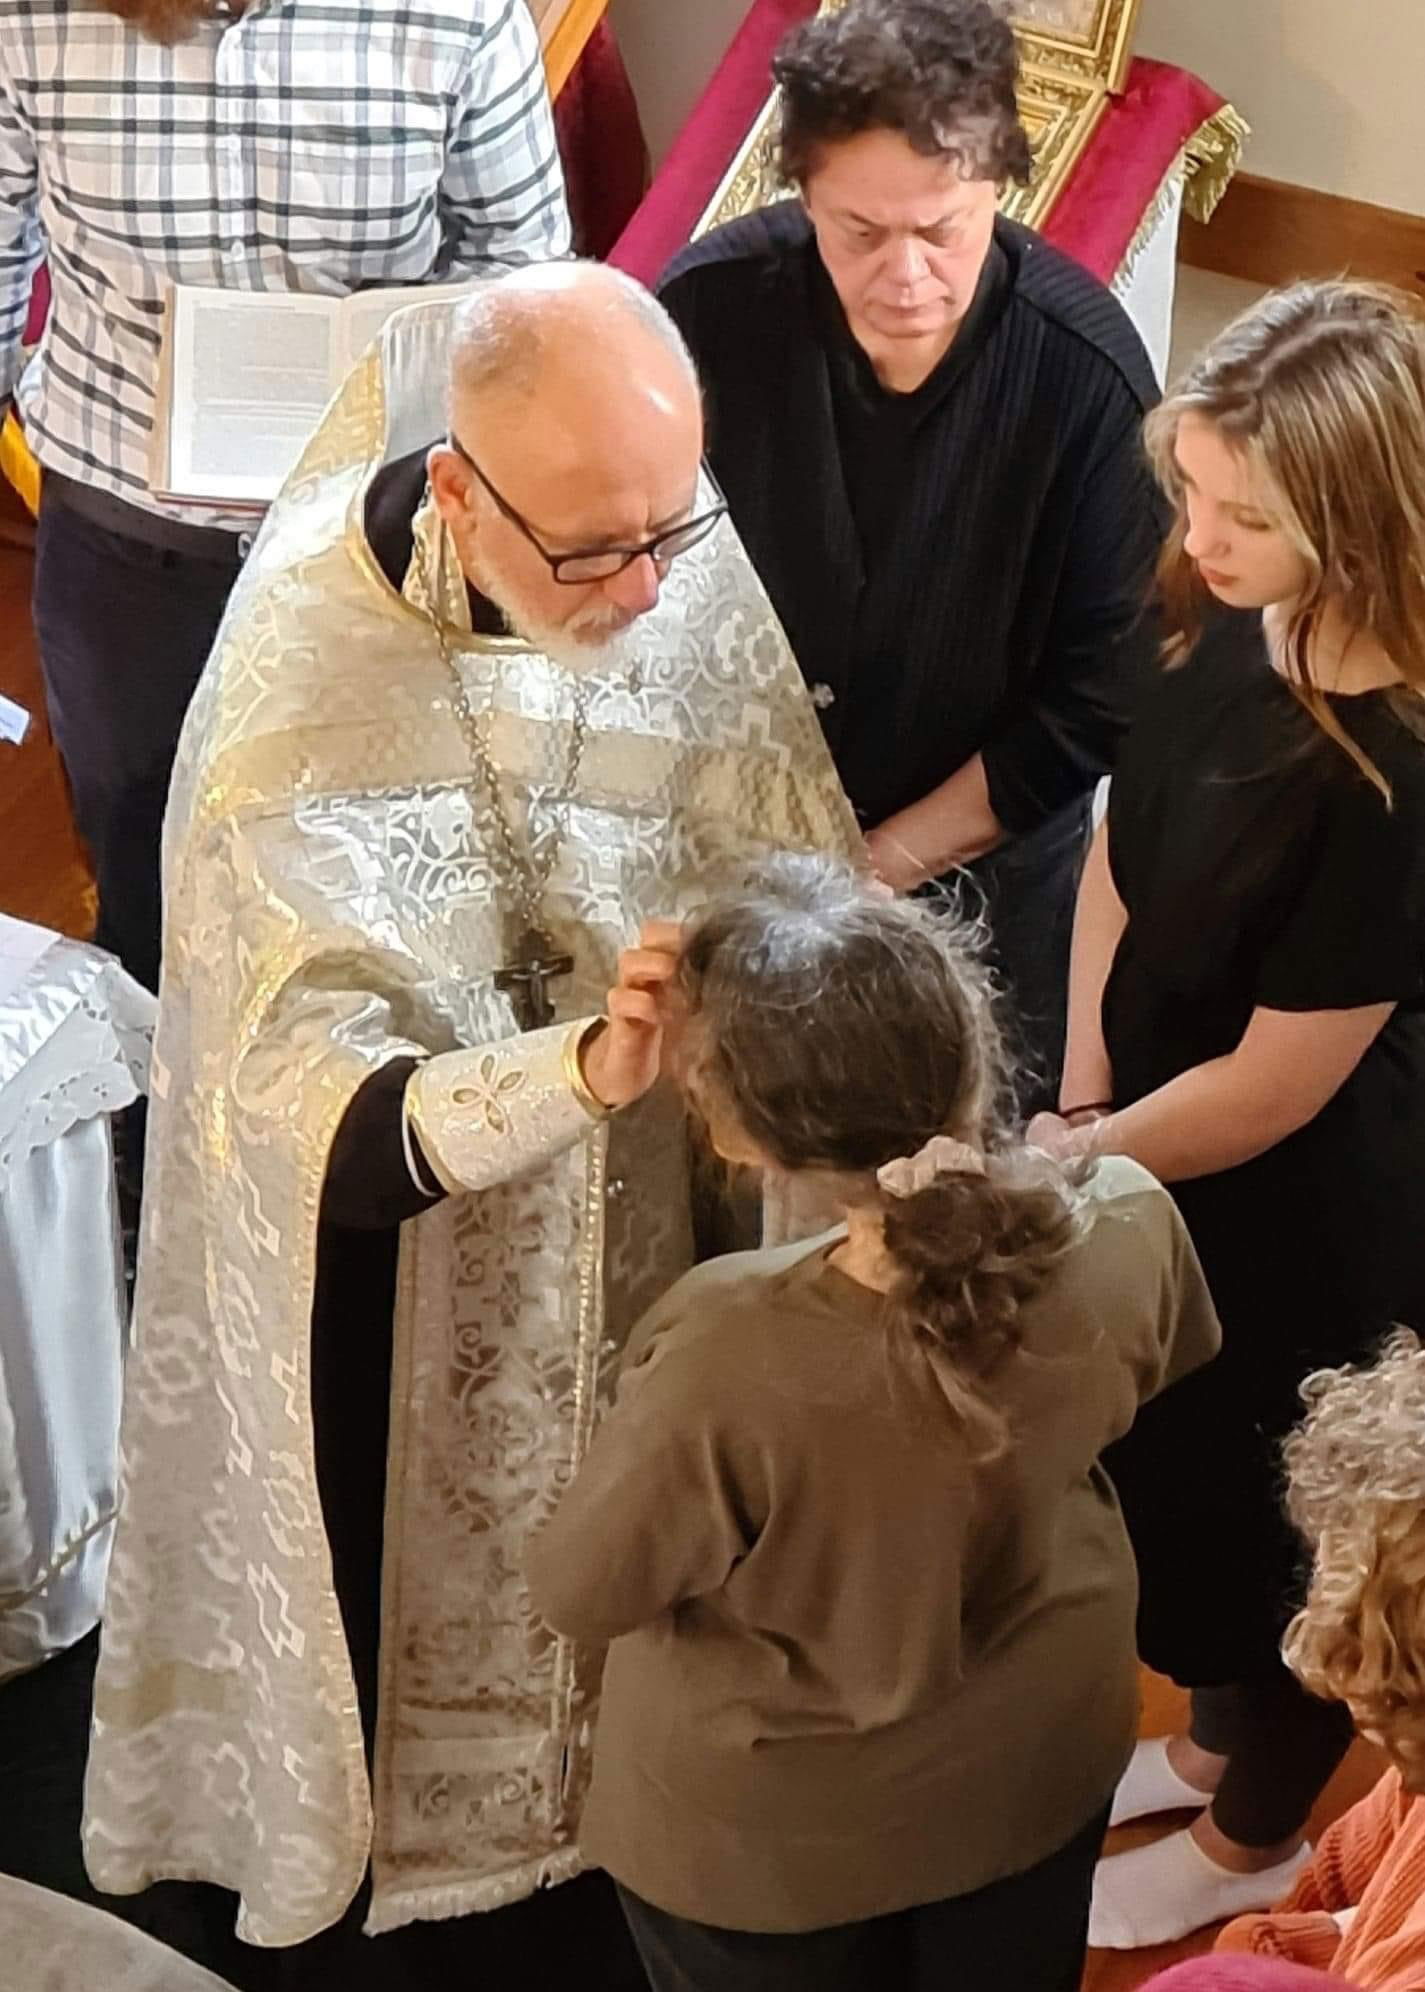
{"x": 1249, "y": 995}
{"x": 871, "y": 1602}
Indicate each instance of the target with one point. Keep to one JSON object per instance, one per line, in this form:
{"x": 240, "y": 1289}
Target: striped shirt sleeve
{"x": 503, "y": 189}
{"x": 21, "y": 245}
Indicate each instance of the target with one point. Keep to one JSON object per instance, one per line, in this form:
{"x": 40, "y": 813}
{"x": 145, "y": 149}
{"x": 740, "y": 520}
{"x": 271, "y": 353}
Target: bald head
{"x": 573, "y": 393}
{"x": 549, "y": 326}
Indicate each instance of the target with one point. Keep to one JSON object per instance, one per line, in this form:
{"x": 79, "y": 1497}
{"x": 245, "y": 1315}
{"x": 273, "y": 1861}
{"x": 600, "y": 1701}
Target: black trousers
{"x": 1282, "y": 1746}
{"x": 1027, "y": 891}
{"x": 124, "y": 631}
{"x": 1027, "y": 1933}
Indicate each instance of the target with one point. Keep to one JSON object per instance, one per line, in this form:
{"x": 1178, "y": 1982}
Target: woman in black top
{"x": 927, "y": 423}
{"x": 1248, "y": 997}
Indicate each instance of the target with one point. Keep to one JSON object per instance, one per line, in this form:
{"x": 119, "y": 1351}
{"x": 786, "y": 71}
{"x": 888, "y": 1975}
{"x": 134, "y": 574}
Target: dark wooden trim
{"x": 17, "y": 528}
{"x": 1271, "y": 232}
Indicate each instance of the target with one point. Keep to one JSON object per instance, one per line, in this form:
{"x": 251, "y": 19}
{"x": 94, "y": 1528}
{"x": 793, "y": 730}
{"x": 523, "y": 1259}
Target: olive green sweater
{"x": 853, "y": 1668}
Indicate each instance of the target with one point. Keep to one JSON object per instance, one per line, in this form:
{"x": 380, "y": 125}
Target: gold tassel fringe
{"x": 1213, "y": 154}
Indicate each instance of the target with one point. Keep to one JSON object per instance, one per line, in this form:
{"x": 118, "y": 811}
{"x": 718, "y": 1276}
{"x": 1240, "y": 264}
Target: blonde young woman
{"x": 1248, "y": 1021}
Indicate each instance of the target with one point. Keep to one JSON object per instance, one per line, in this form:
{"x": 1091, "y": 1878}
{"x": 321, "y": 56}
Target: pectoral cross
{"x": 526, "y": 980}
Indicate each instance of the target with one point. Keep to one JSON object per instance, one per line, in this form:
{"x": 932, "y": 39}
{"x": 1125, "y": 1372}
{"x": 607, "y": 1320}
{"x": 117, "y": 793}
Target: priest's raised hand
{"x": 623, "y": 1056}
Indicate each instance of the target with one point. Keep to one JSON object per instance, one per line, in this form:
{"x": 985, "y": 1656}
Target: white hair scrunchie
{"x": 942, "y": 1155}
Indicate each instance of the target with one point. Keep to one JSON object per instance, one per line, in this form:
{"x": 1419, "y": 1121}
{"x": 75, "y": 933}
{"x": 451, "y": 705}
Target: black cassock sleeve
{"x": 367, "y": 1196}
{"x": 368, "y": 1185}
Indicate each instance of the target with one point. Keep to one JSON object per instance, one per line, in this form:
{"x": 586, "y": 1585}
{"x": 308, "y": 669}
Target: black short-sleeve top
{"x": 1261, "y": 868}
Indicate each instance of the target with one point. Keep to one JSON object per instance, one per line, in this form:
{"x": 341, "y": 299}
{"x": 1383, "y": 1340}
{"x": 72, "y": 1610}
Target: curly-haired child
{"x": 1357, "y": 1492}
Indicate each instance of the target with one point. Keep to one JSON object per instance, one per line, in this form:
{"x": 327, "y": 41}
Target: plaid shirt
{"x": 311, "y": 145}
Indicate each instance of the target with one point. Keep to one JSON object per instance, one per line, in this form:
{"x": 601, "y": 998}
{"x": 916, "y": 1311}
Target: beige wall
{"x": 1334, "y": 90}
{"x": 671, "y": 48}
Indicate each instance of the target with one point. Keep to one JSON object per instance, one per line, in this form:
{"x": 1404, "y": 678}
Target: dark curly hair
{"x": 942, "y": 73}
{"x": 841, "y": 1031}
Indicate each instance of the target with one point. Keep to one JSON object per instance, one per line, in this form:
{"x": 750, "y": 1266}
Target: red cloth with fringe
{"x": 602, "y": 145}
{"x": 1097, "y": 216}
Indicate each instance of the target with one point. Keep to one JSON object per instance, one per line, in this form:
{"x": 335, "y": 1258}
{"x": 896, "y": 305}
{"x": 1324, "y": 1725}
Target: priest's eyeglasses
{"x": 602, "y": 563}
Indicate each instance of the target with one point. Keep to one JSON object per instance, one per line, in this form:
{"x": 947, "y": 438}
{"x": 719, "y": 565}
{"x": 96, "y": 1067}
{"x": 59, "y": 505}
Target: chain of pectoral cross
{"x": 526, "y": 979}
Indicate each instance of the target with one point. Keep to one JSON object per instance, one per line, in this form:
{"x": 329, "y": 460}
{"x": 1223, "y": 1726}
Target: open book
{"x": 244, "y": 379}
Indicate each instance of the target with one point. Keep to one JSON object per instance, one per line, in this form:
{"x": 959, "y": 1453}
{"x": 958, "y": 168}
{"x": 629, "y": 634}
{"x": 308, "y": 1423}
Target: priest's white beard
{"x": 615, "y": 654}
{"x": 600, "y": 642}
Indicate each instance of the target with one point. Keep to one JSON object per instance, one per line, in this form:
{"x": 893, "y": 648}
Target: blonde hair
{"x": 1356, "y": 1491}
{"x": 1322, "y": 388}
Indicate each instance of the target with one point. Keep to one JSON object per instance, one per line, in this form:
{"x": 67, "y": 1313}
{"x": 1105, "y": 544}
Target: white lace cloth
{"x": 74, "y": 1035}
{"x": 51, "y": 1944}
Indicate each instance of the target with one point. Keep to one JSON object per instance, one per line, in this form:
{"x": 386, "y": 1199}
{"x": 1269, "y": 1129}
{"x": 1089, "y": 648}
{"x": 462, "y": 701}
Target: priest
{"x": 477, "y": 712}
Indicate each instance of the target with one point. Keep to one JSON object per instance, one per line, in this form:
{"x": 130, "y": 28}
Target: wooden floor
{"x": 43, "y": 878}
{"x": 1163, "y": 1708}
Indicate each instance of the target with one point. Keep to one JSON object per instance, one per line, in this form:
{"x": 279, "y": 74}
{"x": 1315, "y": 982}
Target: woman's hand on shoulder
{"x": 1067, "y": 1137}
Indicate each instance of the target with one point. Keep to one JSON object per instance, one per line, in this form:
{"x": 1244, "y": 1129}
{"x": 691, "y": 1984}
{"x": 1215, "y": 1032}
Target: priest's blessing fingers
{"x": 624, "y": 1059}
{"x": 662, "y": 942}
{"x": 666, "y": 936}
